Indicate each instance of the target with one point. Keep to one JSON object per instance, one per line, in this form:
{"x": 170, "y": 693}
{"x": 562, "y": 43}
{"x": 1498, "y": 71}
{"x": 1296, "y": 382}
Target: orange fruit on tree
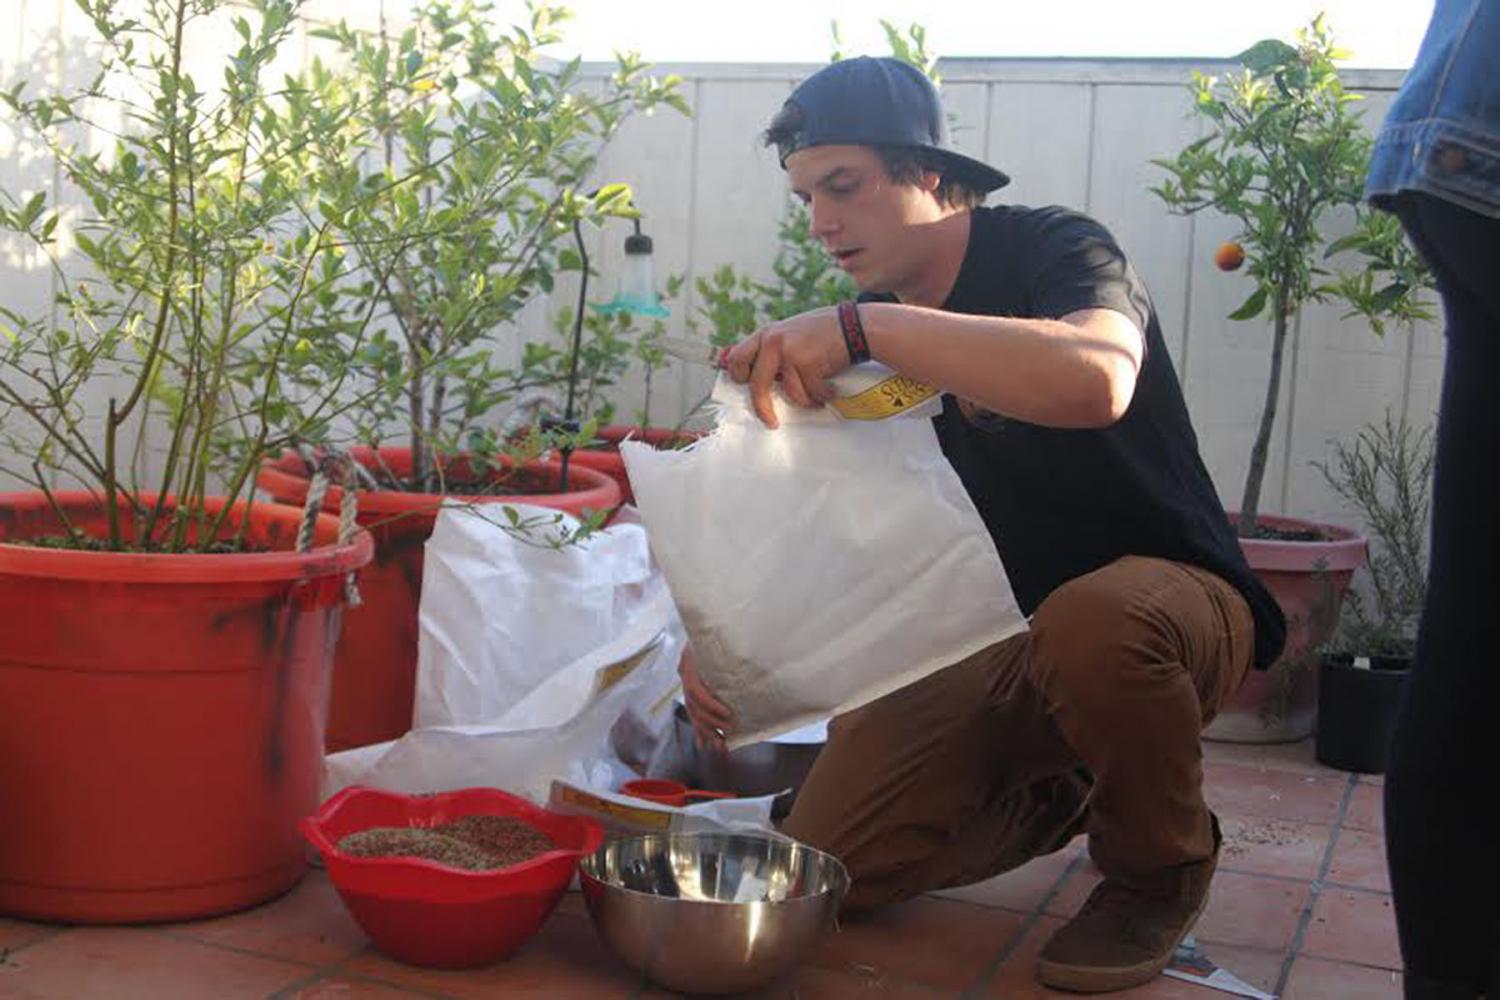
{"x": 1229, "y": 256}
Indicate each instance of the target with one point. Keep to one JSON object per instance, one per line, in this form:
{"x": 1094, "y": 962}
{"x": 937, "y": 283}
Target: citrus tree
{"x": 1285, "y": 149}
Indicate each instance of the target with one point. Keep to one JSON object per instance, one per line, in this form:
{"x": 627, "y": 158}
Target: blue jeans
{"x": 1443, "y": 780}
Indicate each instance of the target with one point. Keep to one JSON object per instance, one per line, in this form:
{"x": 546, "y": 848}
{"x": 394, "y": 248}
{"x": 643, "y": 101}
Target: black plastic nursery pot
{"x": 1357, "y": 711}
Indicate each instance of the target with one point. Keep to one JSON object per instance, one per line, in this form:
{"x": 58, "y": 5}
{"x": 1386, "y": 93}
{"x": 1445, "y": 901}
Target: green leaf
{"x": 1388, "y": 296}
{"x": 413, "y": 62}
{"x": 1344, "y": 243}
{"x": 1252, "y": 306}
{"x": 1266, "y": 55}
{"x": 33, "y": 208}
{"x": 613, "y": 197}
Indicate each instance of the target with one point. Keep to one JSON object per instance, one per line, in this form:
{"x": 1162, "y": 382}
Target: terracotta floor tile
{"x": 1017, "y": 977}
{"x": 931, "y": 942}
{"x": 21, "y": 933}
{"x": 1366, "y": 809}
{"x": 1236, "y": 790}
{"x": 1294, "y": 757}
{"x": 1243, "y": 910}
{"x": 1351, "y": 926}
{"x": 1072, "y": 893}
{"x": 813, "y": 983}
{"x": 1359, "y": 860}
{"x": 566, "y": 959}
{"x": 1315, "y": 979}
{"x": 120, "y": 963}
{"x": 308, "y": 924}
{"x": 1252, "y": 912}
{"x": 344, "y": 988}
{"x": 572, "y": 904}
{"x": 1021, "y": 889}
{"x": 1272, "y": 846}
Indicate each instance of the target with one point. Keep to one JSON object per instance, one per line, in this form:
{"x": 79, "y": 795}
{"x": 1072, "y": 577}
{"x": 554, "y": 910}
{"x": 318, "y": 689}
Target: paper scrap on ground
{"x": 623, "y": 815}
{"x": 1191, "y": 965}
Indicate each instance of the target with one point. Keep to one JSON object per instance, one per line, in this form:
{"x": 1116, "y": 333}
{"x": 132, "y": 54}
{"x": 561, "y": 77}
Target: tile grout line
{"x": 186, "y": 938}
{"x": 1327, "y": 883}
{"x": 1265, "y": 875}
{"x": 290, "y": 990}
{"x": 1294, "y": 951}
{"x": 1347, "y": 887}
{"x": 1035, "y": 917}
{"x": 286, "y": 992}
{"x": 56, "y": 932}
{"x": 342, "y": 970}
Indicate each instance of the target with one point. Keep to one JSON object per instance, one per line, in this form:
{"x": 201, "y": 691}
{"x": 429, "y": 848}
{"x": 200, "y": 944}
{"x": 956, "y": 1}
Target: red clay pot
{"x": 375, "y": 669}
{"x": 1308, "y": 580}
{"x": 163, "y": 715}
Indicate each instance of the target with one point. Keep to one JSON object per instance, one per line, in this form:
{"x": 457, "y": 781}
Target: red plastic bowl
{"x": 424, "y": 913}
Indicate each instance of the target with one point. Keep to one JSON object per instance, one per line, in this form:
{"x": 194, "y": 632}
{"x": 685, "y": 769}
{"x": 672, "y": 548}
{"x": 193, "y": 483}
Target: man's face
{"x": 866, "y": 221}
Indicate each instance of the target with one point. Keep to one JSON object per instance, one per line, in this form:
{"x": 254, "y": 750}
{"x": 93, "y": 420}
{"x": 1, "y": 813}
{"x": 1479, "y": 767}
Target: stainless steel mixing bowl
{"x": 711, "y": 912}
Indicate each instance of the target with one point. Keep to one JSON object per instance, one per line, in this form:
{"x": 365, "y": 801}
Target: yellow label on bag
{"x": 886, "y": 398}
{"x": 608, "y": 676}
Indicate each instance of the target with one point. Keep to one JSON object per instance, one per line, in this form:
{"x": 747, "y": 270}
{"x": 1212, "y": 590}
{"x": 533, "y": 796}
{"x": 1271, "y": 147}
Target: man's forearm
{"x": 1056, "y": 373}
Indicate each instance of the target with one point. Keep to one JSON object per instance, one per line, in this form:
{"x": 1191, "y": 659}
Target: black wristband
{"x": 854, "y": 333}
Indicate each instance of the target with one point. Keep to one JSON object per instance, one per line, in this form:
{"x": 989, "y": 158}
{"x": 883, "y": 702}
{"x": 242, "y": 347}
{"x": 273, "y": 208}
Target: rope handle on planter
{"x": 341, "y": 465}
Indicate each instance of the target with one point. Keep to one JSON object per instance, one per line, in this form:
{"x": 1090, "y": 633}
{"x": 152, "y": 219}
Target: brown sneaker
{"x": 1126, "y": 932}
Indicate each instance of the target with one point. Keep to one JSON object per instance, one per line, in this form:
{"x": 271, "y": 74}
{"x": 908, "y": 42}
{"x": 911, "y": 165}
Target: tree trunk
{"x": 1250, "y": 504}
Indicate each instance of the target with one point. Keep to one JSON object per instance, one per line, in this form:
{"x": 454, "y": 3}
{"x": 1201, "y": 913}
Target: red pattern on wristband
{"x": 854, "y": 333}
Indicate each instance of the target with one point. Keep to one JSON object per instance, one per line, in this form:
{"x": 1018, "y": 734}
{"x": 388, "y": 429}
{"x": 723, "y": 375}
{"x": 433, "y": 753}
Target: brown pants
{"x": 1088, "y": 722}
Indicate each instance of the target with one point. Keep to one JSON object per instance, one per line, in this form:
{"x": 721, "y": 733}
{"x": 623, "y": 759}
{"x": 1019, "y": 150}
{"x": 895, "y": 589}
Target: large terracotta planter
{"x": 375, "y": 670}
{"x": 606, "y": 457}
{"x": 161, "y": 716}
{"x": 1308, "y": 580}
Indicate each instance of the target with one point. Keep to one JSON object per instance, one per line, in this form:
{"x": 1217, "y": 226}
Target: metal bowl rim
{"x": 586, "y": 862}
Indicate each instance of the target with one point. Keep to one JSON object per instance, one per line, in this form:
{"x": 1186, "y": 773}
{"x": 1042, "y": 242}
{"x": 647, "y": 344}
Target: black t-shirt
{"x": 1064, "y": 502}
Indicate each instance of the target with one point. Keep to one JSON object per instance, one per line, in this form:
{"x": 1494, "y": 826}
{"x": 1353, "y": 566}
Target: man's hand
{"x": 802, "y": 351}
{"x": 711, "y": 718}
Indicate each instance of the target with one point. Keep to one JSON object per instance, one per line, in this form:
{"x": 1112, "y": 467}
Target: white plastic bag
{"x": 625, "y": 684}
{"x": 534, "y": 664}
{"x": 500, "y": 616}
{"x": 822, "y": 565}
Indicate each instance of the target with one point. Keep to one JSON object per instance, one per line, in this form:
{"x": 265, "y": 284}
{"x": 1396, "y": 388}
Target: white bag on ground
{"x": 625, "y": 685}
{"x": 500, "y": 616}
{"x": 822, "y": 565}
{"x": 534, "y": 664}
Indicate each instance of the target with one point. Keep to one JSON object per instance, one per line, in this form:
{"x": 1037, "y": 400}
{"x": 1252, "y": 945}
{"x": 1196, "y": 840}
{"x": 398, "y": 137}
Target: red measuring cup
{"x": 668, "y": 792}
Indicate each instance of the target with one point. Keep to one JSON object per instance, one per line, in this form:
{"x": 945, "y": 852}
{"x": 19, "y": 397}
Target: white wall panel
{"x": 1079, "y": 133}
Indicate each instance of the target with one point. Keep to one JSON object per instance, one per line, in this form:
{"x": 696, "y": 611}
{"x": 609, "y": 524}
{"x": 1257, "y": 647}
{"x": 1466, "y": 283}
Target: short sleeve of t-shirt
{"x": 1076, "y": 264}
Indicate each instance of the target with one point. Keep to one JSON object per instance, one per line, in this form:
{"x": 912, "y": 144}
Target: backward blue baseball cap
{"x": 871, "y": 101}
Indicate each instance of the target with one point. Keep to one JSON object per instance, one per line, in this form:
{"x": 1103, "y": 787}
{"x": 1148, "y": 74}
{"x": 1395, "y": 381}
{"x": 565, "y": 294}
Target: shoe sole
{"x": 1092, "y": 979}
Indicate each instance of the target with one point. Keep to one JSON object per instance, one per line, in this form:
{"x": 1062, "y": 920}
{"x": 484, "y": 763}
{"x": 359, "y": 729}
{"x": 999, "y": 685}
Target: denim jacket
{"x": 1442, "y": 135}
